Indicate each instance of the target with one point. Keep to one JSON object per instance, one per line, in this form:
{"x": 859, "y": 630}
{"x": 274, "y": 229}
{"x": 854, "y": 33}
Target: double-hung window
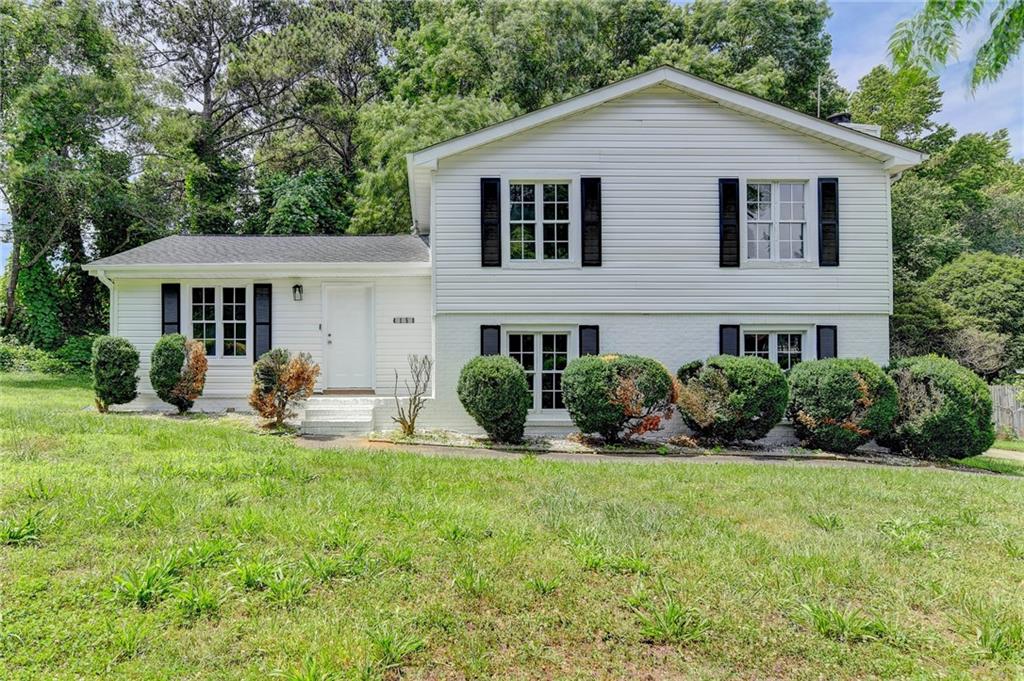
{"x": 776, "y": 221}
{"x": 544, "y": 356}
{"x": 538, "y": 221}
{"x": 783, "y": 347}
{"x": 219, "y": 319}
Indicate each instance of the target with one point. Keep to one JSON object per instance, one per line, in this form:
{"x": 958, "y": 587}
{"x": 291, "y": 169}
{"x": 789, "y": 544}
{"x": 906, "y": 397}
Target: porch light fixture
{"x": 297, "y": 292}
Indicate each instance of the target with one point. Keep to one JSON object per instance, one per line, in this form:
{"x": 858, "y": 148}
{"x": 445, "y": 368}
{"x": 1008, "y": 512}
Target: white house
{"x": 663, "y": 215}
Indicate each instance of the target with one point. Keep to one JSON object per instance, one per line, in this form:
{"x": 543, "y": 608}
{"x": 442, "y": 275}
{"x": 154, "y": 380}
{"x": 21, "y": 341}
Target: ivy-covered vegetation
{"x": 126, "y": 121}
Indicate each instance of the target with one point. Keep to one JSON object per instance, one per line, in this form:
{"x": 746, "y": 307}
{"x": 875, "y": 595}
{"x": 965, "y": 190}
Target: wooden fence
{"x": 1007, "y": 409}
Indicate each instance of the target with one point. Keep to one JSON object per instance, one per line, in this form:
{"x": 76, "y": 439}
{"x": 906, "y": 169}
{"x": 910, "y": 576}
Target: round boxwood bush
{"x": 839, "y": 404}
{"x": 493, "y": 390}
{"x": 945, "y": 410}
{"x": 177, "y": 370}
{"x": 732, "y": 399}
{"x": 115, "y": 366}
{"x": 612, "y": 394}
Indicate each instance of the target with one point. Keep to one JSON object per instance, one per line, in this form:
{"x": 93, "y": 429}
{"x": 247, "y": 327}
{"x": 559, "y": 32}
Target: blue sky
{"x": 860, "y": 36}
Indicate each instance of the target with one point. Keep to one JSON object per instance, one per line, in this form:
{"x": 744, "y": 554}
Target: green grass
{"x": 992, "y": 464}
{"x": 152, "y": 547}
{"x": 1009, "y": 445}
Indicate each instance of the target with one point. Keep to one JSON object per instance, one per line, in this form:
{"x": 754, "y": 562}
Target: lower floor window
{"x": 782, "y": 347}
{"x": 219, "y": 319}
{"x": 543, "y": 373}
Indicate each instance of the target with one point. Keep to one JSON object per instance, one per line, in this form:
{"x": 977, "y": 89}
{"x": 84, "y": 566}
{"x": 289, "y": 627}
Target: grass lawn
{"x": 154, "y": 547}
{"x": 1010, "y": 445}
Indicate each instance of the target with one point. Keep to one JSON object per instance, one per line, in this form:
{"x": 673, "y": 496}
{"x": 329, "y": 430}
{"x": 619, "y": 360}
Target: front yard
{"x": 155, "y": 547}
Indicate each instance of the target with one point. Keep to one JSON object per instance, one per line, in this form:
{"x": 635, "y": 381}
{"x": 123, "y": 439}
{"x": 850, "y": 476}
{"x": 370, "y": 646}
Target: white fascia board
{"x": 894, "y": 155}
{"x": 262, "y": 270}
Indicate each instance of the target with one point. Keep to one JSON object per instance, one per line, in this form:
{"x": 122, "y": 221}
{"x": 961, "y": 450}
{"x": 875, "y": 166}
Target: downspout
{"x": 101, "y": 275}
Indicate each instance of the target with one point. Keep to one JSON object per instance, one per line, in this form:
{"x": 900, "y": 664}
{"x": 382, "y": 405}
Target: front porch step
{"x": 338, "y": 415}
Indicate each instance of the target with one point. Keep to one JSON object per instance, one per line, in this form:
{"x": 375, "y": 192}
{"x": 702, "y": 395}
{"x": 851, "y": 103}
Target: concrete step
{"x": 338, "y": 427}
{"x": 335, "y": 413}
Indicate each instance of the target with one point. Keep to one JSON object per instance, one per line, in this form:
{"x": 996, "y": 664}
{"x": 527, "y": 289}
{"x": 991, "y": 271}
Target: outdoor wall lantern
{"x": 297, "y": 292}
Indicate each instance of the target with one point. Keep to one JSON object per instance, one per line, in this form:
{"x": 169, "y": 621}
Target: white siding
{"x": 296, "y": 326}
{"x": 660, "y": 154}
{"x": 673, "y": 339}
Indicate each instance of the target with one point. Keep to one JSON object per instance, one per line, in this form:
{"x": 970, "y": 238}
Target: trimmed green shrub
{"x": 493, "y": 390}
{"x": 612, "y": 394}
{"x": 839, "y": 404}
{"x": 689, "y": 370}
{"x": 945, "y": 410}
{"x": 115, "y": 366}
{"x": 733, "y": 399}
{"x": 177, "y": 370}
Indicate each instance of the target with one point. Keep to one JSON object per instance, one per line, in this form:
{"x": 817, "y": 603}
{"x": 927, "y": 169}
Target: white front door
{"x": 348, "y": 335}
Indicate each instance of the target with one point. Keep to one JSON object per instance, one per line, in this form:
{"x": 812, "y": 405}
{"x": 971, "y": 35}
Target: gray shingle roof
{"x": 218, "y": 250}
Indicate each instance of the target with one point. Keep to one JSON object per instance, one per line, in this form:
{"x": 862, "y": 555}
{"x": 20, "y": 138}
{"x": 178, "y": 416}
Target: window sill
{"x": 779, "y": 264}
{"x": 540, "y": 265}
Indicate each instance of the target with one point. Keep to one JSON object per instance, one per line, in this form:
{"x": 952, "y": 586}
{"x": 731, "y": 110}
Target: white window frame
{"x": 810, "y": 221}
{"x": 571, "y": 347}
{"x": 218, "y": 300}
{"x": 773, "y": 334}
{"x": 540, "y": 261}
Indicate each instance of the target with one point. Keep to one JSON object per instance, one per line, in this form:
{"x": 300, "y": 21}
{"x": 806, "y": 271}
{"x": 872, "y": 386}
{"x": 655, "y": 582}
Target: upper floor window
{"x": 538, "y": 220}
{"x": 783, "y": 347}
{"x": 776, "y": 221}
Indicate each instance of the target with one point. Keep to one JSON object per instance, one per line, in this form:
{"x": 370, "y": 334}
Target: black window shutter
{"x": 590, "y": 190}
{"x": 828, "y": 342}
{"x": 728, "y": 222}
{"x": 170, "y": 308}
{"x": 729, "y": 339}
{"x": 828, "y": 221}
{"x": 490, "y": 340}
{"x": 261, "y": 319}
{"x": 490, "y": 222}
{"x": 590, "y": 340}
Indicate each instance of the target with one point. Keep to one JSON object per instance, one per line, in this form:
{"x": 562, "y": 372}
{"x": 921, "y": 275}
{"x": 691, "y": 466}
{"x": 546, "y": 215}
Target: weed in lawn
{"x": 391, "y": 645}
{"x": 206, "y": 553}
{"x": 633, "y": 561}
{"x": 905, "y": 536}
{"x": 998, "y": 629}
{"x": 129, "y": 639}
{"x": 829, "y": 522}
{"x": 21, "y": 531}
{"x": 38, "y": 491}
{"x": 969, "y": 517}
{"x": 1013, "y": 549}
{"x": 197, "y": 601}
{"x": 472, "y": 581}
{"x": 127, "y": 512}
{"x": 847, "y": 625}
{"x": 146, "y": 587}
{"x": 233, "y": 498}
{"x": 310, "y": 670}
{"x": 253, "y": 575}
{"x": 668, "y": 621}
{"x": 323, "y": 568}
{"x": 585, "y": 546}
{"x": 286, "y": 590}
{"x": 543, "y": 586}
{"x": 398, "y": 557}
{"x": 454, "y": 533}
{"x": 247, "y": 524}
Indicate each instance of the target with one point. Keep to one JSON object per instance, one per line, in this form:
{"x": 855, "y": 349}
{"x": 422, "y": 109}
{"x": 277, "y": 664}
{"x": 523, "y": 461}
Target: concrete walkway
{"x": 770, "y": 457}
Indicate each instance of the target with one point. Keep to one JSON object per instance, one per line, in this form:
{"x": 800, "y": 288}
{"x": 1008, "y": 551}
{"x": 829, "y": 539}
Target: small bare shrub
{"x": 420, "y": 368}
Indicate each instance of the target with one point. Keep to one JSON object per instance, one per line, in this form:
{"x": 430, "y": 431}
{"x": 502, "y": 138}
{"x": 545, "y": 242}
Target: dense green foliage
{"x": 115, "y": 366}
{"x": 945, "y": 410}
{"x": 15, "y": 356}
{"x": 493, "y": 390}
{"x": 611, "y": 394}
{"x": 734, "y": 399}
{"x": 840, "y": 404}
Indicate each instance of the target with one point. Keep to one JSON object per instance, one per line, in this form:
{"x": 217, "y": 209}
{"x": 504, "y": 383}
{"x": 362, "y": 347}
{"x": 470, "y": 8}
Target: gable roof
{"x": 894, "y": 157}
{"x": 270, "y": 250}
